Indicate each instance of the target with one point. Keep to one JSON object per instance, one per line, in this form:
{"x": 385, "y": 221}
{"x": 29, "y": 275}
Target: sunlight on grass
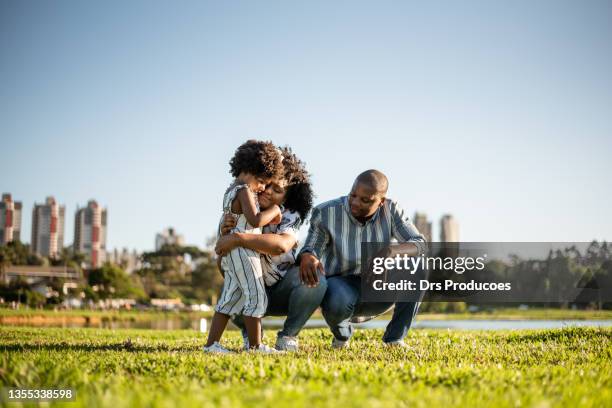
{"x": 155, "y": 368}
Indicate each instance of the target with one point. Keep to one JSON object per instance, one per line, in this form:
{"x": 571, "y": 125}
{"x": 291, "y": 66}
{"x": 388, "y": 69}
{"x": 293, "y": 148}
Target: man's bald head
{"x": 374, "y": 180}
{"x": 368, "y": 194}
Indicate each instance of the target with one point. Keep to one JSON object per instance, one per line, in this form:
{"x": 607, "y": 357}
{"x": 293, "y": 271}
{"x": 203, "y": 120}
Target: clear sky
{"x": 497, "y": 112}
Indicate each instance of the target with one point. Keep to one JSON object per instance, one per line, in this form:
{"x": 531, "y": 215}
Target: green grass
{"x": 567, "y": 367}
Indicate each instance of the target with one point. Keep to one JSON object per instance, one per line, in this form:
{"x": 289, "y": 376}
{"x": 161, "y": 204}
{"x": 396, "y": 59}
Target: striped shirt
{"x": 275, "y": 267}
{"x": 335, "y": 236}
{"x": 231, "y": 194}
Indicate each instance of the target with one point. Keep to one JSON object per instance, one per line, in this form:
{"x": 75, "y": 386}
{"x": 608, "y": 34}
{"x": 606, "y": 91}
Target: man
{"x": 332, "y": 253}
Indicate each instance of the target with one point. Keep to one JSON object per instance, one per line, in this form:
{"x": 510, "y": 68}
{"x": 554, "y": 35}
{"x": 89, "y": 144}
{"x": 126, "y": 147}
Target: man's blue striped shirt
{"x": 335, "y": 236}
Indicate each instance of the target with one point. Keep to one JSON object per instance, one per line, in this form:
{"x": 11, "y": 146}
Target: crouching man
{"x": 332, "y": 254}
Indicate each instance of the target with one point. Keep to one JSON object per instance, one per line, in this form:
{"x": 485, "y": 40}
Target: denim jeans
{"x": 342, "y": 302}
{"x": 289, "y": 297}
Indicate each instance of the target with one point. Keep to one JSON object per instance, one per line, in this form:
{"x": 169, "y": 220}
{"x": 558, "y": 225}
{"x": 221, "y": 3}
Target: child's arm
{"x": 256, "y": 218}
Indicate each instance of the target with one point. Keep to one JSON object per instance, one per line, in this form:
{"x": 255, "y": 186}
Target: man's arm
{"x": 412, "y": 242}
{"x": 317, "y": 241}
{"x": 318, "y": 236}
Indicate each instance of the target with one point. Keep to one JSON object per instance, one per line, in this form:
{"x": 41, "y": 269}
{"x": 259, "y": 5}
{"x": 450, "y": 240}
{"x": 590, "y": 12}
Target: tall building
{"x": 90, "y": 232}
{"x": 449, "y": 229}
{"x": 48, "y": 228}
{"x": 424, "y": 226}
{"x": 168, "y": 237}
{"x": 10, "y": 219}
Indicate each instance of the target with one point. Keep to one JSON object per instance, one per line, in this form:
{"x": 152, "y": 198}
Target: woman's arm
{"x": 219, "y": 266}
{"x": 269, "y": 244}
{"x": 256, "y": 218}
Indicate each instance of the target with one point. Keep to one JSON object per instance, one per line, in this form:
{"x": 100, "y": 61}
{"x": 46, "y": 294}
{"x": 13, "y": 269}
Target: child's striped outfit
{"x": 243, "y": 289}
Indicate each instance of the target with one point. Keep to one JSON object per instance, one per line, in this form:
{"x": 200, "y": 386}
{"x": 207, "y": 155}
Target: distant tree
{"x": 112, "y": 282}
{"x": 16, "y": 253}
{"x": 168, "y": 271}
{"x": 57, "y": 287}
{"x": 173, "y": 250}
{"x": 207, "y": 280}
{"x": 15, "y": 290}
{"x": 35, "y": 299}
{"x": 68, "y": 257}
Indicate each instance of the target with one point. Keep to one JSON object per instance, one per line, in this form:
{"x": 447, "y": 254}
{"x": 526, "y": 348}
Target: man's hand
{"x": 225, "y": 244}
{"x": 229, "y": 222}
{"x": 309, "y": 265}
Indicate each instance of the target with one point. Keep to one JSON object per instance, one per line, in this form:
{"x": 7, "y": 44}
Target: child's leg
{"x": 217, "y": 327}
{"x": 256, "y": 300}
{"x": 253, "y": 327}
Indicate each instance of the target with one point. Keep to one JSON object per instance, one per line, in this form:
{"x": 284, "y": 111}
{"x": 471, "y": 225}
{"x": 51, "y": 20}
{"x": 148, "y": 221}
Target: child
{"x": 254, "y": 164}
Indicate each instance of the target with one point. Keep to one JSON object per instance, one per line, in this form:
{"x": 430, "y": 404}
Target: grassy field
{"x": 568, "y": 367}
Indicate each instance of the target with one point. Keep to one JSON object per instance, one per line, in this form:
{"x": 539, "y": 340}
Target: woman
{"x": 287, "y": 296}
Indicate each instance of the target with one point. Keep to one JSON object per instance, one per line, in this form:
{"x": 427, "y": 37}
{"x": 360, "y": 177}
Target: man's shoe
{"x": 216, "y": 348}
{"x": 263, "y": 349}
{"x": 397, "y": 344}
{"x": 287, "y": 343}
{"x": 339, "y": 344}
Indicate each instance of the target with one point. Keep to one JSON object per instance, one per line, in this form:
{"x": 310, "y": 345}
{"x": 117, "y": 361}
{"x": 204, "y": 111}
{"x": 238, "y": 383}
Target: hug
{"x": 267, "y": 273}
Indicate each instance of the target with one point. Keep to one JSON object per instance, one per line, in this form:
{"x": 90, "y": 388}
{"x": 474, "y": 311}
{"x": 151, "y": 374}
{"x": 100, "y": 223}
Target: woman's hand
{"x": 225, "y": 244}
{"x": 229, "y": 222}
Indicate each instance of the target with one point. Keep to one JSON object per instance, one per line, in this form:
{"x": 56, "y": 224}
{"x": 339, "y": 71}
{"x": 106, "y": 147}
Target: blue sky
{"x": 497, "y": 112}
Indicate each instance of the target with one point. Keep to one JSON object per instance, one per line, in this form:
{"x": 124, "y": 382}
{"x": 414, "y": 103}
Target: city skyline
{"x": 48, "y": 239}
{"x": 497, "y": 113}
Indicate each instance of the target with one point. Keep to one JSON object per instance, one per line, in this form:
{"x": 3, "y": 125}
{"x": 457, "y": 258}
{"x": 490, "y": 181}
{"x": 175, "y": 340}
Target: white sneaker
{"x": 263, "y": 349}
{"x": 339, "y": 344}
{"x": 397, "y": 344}
{"x": 216, "y": 348}
{"x": 287, "y": 343}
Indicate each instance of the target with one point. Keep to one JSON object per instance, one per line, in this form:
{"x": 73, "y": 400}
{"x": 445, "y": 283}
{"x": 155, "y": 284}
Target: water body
{"x": 493, "y": 324}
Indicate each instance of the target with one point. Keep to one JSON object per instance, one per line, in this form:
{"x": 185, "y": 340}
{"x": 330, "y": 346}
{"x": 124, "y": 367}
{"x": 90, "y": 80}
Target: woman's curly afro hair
{"x": 299, "y": 195}
{"x": 261, "y": 159}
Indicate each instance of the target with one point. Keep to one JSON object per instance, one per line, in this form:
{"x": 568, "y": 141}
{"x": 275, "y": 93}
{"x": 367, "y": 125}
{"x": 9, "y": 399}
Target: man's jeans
{"x": 342, "y": 302}
{"x": 289, "y": 297}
